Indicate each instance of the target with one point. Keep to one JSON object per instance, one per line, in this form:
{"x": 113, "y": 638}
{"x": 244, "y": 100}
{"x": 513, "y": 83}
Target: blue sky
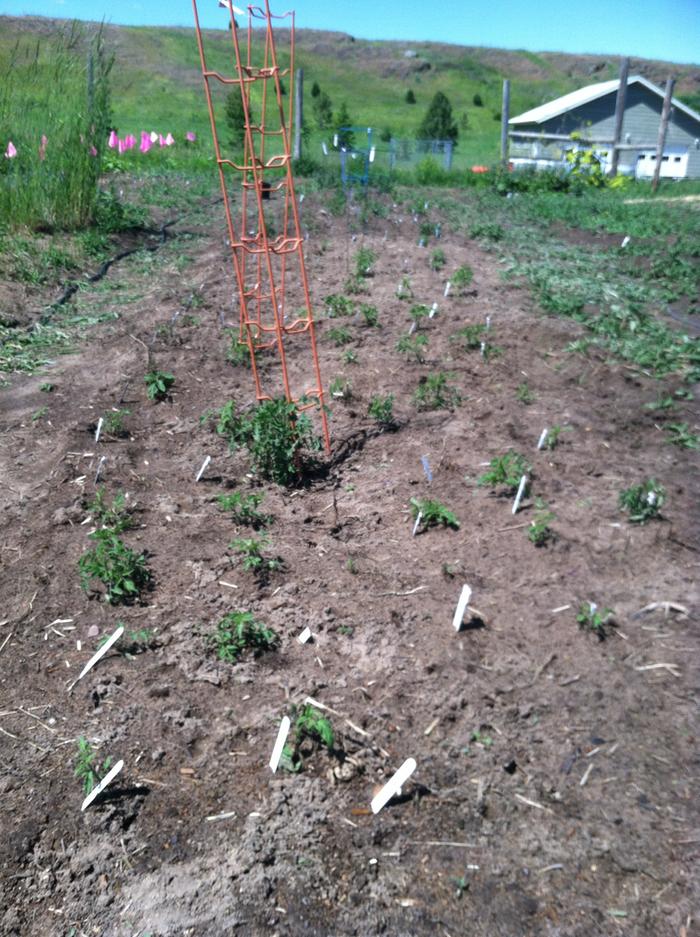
{"x": 661, "y": 29}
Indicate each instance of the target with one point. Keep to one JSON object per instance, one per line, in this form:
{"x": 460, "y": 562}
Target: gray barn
{"x": 540, "y": 137}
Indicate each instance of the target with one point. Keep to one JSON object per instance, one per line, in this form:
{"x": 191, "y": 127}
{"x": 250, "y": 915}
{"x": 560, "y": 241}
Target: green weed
{"x": 307, "y": 724}
{"x": 524, "y": 394}
{"x": 469, "y": 338}
{"x": 338, "y": 306}
{"x": 539, "y": 531}
{"x": 114, "y": 423}
{"x": 350, "y": 356}
{"x": 370, "y": 315}
{"x": 418, "y": 313}
{"x": 238, "y": 632}
{"x": 644, "y": 501}
{"x": 433, "y": 513}
{"x": 122, "y": 572}
{"x": 404, "y": 290}
{"x": 364, "y": 261}
{"x": 340, "y": 387}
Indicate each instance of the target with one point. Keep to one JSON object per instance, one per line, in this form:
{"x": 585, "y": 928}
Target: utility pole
{"x": 298, "y": 112}
{"x": 619, "y": 114}
{"x": 663, "y": 129}
{"x": 505, "y": 114}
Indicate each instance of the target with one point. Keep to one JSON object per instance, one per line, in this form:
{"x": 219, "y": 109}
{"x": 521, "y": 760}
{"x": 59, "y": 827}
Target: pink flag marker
{"x": 190, "y": 136}
{"x": 42, "y": 148}
{"x": 11, "y": 150}
{"x": 146, "y": 143}
{"x": 113, "y": 141}
{"x": 161, "y": 139}
{"x": 169, "y": 140}
{"x": 121, "y": 146}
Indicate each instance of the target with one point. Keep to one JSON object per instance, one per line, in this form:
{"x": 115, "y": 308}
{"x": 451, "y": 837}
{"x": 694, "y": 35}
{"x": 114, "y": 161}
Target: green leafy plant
{"x": 539, "y": 531}
{"x": 644, "y": 501}
{"x": 488, "y": 230}
{"x": 413, "y": 346}
{"x": 350, "y": 356}
{"x": 404, "y": 290}
{"x": 469, "y": 338}
{"x": 238, "y": 632}
{"x": 370, "y": 315}
{"x": 364, "y": 260}
{"x": 308, "y": 724}
{"x": 340, "y": 387}
{"x": 433, "y": 513}
{"x": 593, "y": 620}
{"x": 114, "y": 516}
{"x": 47, "y": 387}
{"x": 238, "y": 352}
{"x": 381, "y": 408}
{"x": 158, "y": 384}
{"x": 461, "y": 279}
{"x": 355, "y": 284}
{"x": 87, "y": 768}
{"x": 434, "y": 392}
{"x": 338, "y": 306}
{"x": 437, "y": 259}
{"x": 38, "y": 414}
{"x": 114, "y": 422}
{"x": 123, "y": 573}
{"x": 244, "y": 508}
{"x": 506, "y": 471}
{"x": 250, "y": 550}
{"x": 418, "y": 313}
{"x": 679, "y": 434}
{"x": 552, "y": 439}
{"x": 524, "y": 394}
{"x": 481, "y": 738}
{"x": 340, "y": 336}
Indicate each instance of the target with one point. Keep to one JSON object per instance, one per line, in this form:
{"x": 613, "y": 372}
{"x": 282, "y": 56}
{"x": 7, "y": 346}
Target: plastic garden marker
{"x": 417, "y": 523}
{"x": 285, "y": 726}
{"x": 412, "y": 329}
{"x": 304, "y": 636}
{"x": 100, "y": 653}
{"x": 519, "y": 496}
{"x": 107, "y": 779}
{"x": 447, "y": 287}
{"x": 203, "y": 468}
{"x": 483, "y": 349}
{"x": 393, "y": 786}
{"x": 543, "y": 438}
{"x": 426, "y": 468}
{"x": 433, "y": 310}
{"x": 488, "y": 323}
{"x": 324, "y": 148}
{"x": 99, "y": 467}
{"x": 372, "y": 153}
{"x": 99, "y": 429}
{"x": 227, "y": 5}
{"x": 625, "y": 241}
{"x": 464, "y": 597}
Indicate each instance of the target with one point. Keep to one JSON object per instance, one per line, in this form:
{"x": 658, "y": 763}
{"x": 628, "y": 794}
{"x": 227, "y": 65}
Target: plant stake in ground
{"x": 282, "y": 734}
{"x": 464, "y": 597}
{"x": 519, "y": 496}
{"x": 393, "y": 786}
{"x": 205, "y": 466}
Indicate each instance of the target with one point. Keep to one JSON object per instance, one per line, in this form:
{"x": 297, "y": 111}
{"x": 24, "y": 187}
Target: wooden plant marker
{"x": 204, "y": 467}
{"x": 417, "y": 523}
{"x": 99, "y": 429}
{"x": 107, "y": 779}
{"x": 285, "y": 726}
{"x": 543, "y": 438}
{"x": 426, "y": 468}
{"x": 100, "y": 653}
{"x": 393, "y": 786}
{"x": 464, "y": 598}
{"x": 519, "y": 495}
{"x": 447, "y": 288}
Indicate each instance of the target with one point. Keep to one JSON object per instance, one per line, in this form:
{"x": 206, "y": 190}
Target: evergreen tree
{"x": 323, "y": 111}
{"x": 438, "y": 123}
{"x": 410, "y": 97}
{"x": 315, "y": 89}
{"x": 346, "y": 138}
{"x": 235, "y": 119}
{"x": 476, "y": 100}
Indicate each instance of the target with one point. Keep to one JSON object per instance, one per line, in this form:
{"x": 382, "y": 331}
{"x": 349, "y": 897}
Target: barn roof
{"x": 538, "y": 115}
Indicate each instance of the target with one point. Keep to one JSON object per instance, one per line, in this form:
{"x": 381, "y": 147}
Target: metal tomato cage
{"x": 265, "y": 235}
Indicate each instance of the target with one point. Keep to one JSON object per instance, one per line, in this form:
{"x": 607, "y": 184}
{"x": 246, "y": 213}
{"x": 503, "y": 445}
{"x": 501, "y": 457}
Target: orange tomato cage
{"x": 265, "y": 236}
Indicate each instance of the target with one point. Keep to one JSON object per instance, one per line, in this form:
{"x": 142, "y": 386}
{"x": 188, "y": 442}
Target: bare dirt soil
{"x": 556, "y": 782}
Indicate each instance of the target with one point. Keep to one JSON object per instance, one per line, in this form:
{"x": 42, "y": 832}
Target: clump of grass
{"x": 488, "y": 230}
{"x": 461, "y": 279}
{"x": 434, "y": 392}
{"x": 244, "y": 509}
{"x": 381, "y": 409}
{"x": 238, "y": 632}
{"x": 122, "y": 572}
{"x": 413, "y": 346}
{"x": 644, "y": 501}
{"x": 349, "y": 356}
{"x": 88, "y": 770}
{"x": 433, "y": 513}
{"x": 158, "y": 384}
{"x": 590, "y": 619}
{"x": 505, "y": 471}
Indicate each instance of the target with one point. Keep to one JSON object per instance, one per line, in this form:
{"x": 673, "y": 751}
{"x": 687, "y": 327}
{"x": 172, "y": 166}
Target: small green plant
{"x": 679, "y": 434}
{"x": 481, "y": 738}
{"x": 244, "y": 509}
{"x": 505, "y": 470}
{"x": 238, "y": 352}
{"x": 461, "y": 279}
{"x": 338, "y": 306}
{"x": 539, "y": 531}
{"x": 238, "y": 632}
{"x": 413, "y": 346}
{"x": 404, "y": 289}
{"x": 114, "y": 422}
{"x": 552, "y": 438}
{"x": 364, "y": 260}
{"x": 340, "y": 336}
{"x": 434, "y": 392}
{"x": 355, "y": 285}
{"x": 38, "y": 414}
{"x": 350, "y": 356}
{"x": 351, "y": 565}
{"x": 469, "y": 338}
{"x": 370, "y": 315}
{"x": 437, "y": 259}
{"x": 381, "y": 409}
{"x": 488, "y": 230}
{"x": 87, "y": 768}
{"x": 418, "y": 313}
{"x": 158, "y": 384}
{"x": 123, "y": 573}
{"x": 461, "y": 885}
{"x": 114, "y": 516}
{"x": 308, "y": 724}
{"x": 250, "y": 550}
{"x": 433, "y": 514}
{"x": 47, "y": 387}
{"x": 593, "y": 620}
{"x": 524, "y": 394}
{"x": 340, "y": 387}
{"x": 644, "y": 501}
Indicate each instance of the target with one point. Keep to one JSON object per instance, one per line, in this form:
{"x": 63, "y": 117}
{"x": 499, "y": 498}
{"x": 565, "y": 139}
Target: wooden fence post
{"x": 619, "y": 114}
{"x": 298, "y": 112}
{"x": 505, "y": 114}
{"x": 663, "y": 128}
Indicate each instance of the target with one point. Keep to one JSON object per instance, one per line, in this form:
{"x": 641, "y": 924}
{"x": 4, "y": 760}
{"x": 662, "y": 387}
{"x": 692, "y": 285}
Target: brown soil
{"x": 555, "y": 771}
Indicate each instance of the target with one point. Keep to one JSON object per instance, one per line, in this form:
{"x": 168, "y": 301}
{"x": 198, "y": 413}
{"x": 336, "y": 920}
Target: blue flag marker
{"x": 426, "y": 468}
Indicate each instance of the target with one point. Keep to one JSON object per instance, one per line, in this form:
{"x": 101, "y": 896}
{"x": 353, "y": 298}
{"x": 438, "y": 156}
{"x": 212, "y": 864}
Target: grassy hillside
{"x": 157, "y": 84}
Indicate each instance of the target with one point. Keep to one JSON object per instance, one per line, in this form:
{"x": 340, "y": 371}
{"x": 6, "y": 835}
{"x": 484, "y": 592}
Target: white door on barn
{"x": 674, "y": 163}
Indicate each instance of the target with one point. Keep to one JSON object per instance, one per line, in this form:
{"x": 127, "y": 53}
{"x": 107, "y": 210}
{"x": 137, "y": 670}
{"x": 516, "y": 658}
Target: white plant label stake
{"x": 543, "y": 438}
{"x": 488, "y": 323}
{"x": 412, "y": 329}
{"x": 447, "y": 287}
{"x": 99, "y": 429}
{"x": 519, "y": 496}
{"x": 433, "y": 310}
{"x": 464, "y": 597}
{"x": 285, "y": 726}
{"x": 98, "y": 655}
{"x": 107, "y": 779}
{"x": 426, "y": 468}
{"x": 393, "y": 786}
{"x": 99, "y": 467}
{"x": 483, "y": 349}
{"x": 417, "y": 523}
{"x": 203, "y": 468}
{"x": 304, "y": 636}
